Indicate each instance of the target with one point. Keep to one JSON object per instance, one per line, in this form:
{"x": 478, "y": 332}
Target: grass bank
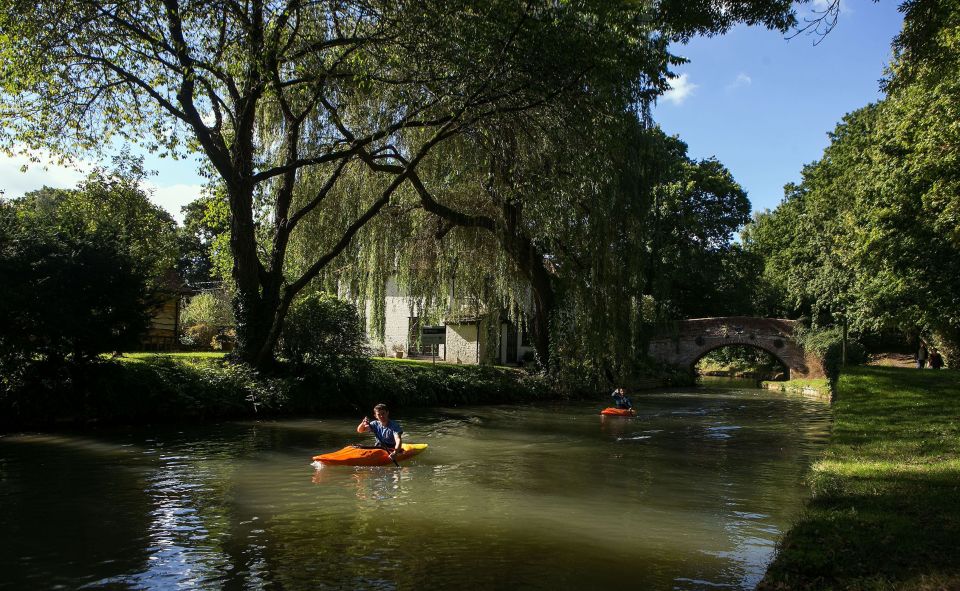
{"x": 884, "y": 513}
{"x": 140, "y": 388}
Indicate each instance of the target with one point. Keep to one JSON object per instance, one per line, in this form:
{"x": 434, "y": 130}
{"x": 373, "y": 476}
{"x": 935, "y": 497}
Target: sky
{"x": 760, "y": 103}
{"x": 763, "y": 104}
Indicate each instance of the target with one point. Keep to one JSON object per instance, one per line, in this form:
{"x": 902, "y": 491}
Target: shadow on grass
{"x": 885, "y": 511}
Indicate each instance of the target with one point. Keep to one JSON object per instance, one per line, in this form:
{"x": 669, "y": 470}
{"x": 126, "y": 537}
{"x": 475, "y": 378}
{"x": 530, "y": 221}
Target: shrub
{"x": 66, "y": 298}
{"x": 321, "y": 329}
{"x": 827, "y": 344}
{"x": 207, "y": 319}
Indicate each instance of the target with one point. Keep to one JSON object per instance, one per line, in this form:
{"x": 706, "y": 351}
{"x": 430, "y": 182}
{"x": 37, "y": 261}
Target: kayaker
{"x": 389, "y": 434}
{"x": 620, "y": 399}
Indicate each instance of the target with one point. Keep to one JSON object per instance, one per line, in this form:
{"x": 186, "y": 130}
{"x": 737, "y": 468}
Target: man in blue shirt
{"x": 389, "y": 434}
{"x": 620, "y": 399}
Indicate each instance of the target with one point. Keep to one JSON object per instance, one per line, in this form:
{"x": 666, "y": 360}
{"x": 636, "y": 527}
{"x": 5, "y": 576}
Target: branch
{"x": 321, "y": 194}
{"x": 292, "y": 289}
{"x": 455, "y": 217}
{"x": 822, "y": 24}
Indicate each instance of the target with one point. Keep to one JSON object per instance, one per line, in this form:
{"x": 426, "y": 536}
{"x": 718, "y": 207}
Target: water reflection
{"x": 692, "y": 493}
{"x": 372, "y": 483}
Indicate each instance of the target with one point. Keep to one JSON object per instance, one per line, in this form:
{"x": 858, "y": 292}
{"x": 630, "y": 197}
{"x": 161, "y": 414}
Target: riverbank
{"x": 145, "y": 388}
{"x": 819, "y": 388}
{"x": 884, "y": 511}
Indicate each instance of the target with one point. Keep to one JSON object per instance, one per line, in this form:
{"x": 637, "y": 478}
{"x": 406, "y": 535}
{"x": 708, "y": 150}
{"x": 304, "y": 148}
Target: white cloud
{"x": 15, "y": 182}
{"x": 173, "y": 197}
{"x": 821, "y": 5}
{"x": 742, "y": 80}
{"x": 680, "y": 89}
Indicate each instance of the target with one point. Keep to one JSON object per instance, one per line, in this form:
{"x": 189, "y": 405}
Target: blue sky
{"x": 758, "y": 102}
{"x": 763, "y": 105}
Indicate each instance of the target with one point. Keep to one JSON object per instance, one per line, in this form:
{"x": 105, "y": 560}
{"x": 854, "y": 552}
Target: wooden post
{"x": 843, "y": 356}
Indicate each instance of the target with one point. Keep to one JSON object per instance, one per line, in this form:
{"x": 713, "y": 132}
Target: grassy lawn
{"x": 406, "y": 361}
{"x": 183, "y": 355}
{"x": 885, "y": 512}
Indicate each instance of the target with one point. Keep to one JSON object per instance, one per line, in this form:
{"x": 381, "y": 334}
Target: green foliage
{"x": 80, "y": 268}
{"x": 426, "y": 384}
{"x": 282, "y": 99}
{"x": 204, "y": 239}
{"x": 112, "y": 205}
{"x": 695, "y": 265}
{"x": 322, "y": 329}
{"x": 827, "y": 344}
{"x": 883, "y": 513}
{"x": 156, "y": 388}
{"x": 209, "y": 307}
{"x": 739, "y": 360}
{"x": 204, "y": 317}
{"x": 66, "y": 299}
{"x": 870, "y": 235}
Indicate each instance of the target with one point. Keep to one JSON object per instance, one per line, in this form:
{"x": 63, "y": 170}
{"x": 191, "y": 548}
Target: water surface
{"x": 691, "y": 494}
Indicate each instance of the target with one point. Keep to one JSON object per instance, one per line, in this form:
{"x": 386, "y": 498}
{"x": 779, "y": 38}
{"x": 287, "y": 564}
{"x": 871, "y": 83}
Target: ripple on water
{"x": 546, "y": 497}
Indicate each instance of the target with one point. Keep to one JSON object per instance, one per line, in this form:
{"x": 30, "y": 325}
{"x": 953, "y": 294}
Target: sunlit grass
{"x": 178, "y": 355}
{"x": 885, "y": 511}
{"x": 405, "y": 361}
{"x": 815, "y": 383}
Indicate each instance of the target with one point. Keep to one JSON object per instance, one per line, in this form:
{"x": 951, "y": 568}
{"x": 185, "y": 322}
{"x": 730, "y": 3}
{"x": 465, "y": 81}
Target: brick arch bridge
{"x": 687, "y": 341}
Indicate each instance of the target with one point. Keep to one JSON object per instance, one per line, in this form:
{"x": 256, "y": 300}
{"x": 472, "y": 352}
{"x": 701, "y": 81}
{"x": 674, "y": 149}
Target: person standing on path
{"x": 936, "y": 361}
{"x": 922, "y": 356}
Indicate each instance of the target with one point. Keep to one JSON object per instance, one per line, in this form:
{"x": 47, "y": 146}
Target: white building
{"x": 460, "y": 338}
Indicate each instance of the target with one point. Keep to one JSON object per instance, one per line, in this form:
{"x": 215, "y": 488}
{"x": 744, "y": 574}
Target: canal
{"x": 692, "y": 493}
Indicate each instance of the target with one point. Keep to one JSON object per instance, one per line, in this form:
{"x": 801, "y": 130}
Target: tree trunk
{"x": 254, "y": 313}
{"x": 544, "y": 302}
{"x": 531, "y": 262}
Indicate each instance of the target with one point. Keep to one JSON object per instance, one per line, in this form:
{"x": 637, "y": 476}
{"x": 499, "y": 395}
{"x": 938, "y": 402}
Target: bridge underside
{"x": 689, "y": 340}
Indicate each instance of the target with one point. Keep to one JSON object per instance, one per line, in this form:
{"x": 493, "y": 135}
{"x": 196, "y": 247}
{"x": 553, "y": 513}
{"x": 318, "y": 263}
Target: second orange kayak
{"x": 620, "y": 412}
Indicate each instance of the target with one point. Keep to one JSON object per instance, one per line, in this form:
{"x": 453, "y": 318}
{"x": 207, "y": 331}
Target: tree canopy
{"x": 870, "y": 234}
{"x": 275, "y": 93}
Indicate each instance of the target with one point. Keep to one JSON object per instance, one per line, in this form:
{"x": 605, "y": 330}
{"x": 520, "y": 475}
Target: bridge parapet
{"x": 692, "y": 339}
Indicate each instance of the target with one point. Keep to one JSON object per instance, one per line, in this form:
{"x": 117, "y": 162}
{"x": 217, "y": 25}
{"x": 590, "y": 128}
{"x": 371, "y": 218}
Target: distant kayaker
{"x": 620, "y": 399}
{"x": 389, "y": 434}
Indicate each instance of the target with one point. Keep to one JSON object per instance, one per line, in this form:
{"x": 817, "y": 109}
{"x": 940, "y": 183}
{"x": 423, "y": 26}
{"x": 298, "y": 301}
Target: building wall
{"x": 396, "y": 322}
{"x": 162, "y": 331}
{"x": 462, "y": 343}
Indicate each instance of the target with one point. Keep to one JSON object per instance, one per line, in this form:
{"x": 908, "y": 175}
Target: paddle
{"x": 393, "y": 459}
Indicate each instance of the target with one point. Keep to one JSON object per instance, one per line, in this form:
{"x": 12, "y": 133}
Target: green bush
{"x": 65, "y": 298}
{"x": 160, "y": 387}
{"x": 205, "y": 317}
{"x": 827, "y": 344}
{"x": 322, "y": 329}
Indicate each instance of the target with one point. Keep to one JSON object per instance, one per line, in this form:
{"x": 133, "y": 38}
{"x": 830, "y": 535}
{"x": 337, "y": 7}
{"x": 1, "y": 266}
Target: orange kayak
{"x": 620, "y": 412}
{"x": 358, "y": 456}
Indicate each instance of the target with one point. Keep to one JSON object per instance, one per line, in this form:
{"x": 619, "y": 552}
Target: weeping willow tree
{"x": 274, "y": 92}
{"x": 574, "y": 235}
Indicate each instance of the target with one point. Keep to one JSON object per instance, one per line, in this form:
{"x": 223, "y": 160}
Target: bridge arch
{"x": 752, "y": 346}
{"x": 684, "y": 343}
